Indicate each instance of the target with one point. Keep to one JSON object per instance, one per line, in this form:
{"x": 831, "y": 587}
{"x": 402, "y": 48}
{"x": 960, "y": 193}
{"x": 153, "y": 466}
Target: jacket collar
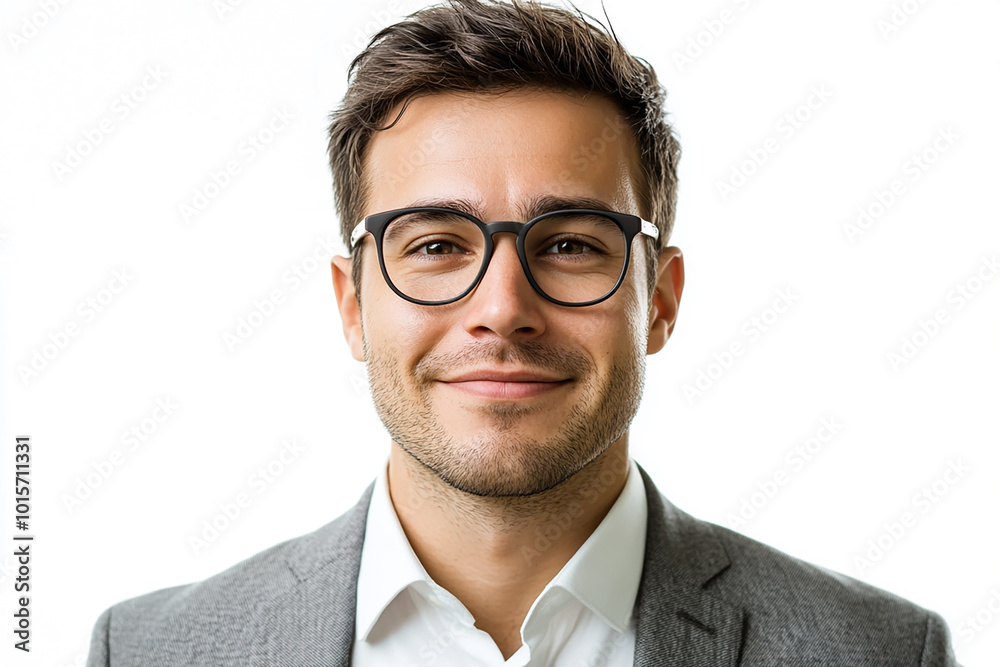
{"x": 679, "y": 622}
{"x": 312, "y": 624}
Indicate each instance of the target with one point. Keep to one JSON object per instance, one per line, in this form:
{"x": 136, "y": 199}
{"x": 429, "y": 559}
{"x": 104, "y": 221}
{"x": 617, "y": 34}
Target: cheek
{"x": 607, "y": 334}
{"x": 636, "y": 299}
{"x": 396, "y": 328}
{"x": 637, "y": 321}
{"x": 621, "y": 338}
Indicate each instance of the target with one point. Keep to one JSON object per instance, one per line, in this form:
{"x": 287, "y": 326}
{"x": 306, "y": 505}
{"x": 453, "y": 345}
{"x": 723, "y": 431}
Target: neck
{"x": 497, "y": 554}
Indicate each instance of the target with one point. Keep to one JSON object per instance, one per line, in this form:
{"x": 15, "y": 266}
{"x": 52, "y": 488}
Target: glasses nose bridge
{"x": 500, "y": 227}
{"x": 503, "y": 226}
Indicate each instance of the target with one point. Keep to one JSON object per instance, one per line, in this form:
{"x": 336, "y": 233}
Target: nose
{"x": 504, "y": 303}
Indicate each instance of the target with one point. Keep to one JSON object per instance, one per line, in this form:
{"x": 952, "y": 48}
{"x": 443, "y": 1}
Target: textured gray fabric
{"x": 709, "y": 597}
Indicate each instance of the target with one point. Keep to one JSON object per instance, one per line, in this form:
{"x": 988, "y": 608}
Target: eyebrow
{"x": 538, "y": 205}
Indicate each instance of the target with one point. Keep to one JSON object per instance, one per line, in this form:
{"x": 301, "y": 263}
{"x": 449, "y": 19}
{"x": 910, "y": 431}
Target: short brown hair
{"x": 487, "y": 46}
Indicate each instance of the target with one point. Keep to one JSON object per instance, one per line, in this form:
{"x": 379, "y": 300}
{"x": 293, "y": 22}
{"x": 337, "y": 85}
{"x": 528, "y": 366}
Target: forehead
{"x": 503, "y": 150}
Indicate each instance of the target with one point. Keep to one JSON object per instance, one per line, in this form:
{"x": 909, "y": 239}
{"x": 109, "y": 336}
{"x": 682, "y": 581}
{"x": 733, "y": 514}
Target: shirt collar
{"x": 388, "y": 563}
{"x": 603, "y": 574}
{"x": 605, "y": 571}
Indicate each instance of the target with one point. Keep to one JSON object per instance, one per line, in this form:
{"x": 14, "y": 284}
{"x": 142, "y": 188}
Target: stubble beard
{"x": 501, "y": 461}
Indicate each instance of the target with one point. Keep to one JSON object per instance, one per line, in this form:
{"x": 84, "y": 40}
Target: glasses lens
{"x": 575, "y": 257}
{"x": 432, "y": 255}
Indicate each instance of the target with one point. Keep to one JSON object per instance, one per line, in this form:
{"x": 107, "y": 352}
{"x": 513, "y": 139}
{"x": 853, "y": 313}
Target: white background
{"x": 65, "y": 233}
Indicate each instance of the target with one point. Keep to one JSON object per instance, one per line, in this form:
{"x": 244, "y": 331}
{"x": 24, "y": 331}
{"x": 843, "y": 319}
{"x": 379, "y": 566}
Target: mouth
{"x": 505, "y": 385}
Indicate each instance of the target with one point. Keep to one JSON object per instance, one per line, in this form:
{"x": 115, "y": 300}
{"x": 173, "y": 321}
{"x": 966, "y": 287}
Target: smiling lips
{"x": 505, "y": 385}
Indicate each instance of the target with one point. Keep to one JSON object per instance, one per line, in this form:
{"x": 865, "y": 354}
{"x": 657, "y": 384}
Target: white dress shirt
{"x": 582, "y": 618}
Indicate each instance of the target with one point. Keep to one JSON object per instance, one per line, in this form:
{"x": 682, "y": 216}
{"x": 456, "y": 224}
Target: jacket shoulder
{"x": 162, "y": 627}
{"x": 804, "y": 610}
{"x": 775, "y": 577}
{"x": 779, "y": 609}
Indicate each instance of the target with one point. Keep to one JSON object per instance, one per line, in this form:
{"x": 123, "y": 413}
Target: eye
{"x": 437, "y": 248}
{"x": 569, "y": 247}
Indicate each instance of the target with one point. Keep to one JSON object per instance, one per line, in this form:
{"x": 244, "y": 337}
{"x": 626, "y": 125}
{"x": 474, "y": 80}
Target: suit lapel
{"x": 313, "y": 623}
{"x": 679, "y": 622}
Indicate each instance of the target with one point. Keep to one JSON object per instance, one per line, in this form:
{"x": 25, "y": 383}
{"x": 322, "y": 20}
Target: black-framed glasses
{"x": 433, "y": 256}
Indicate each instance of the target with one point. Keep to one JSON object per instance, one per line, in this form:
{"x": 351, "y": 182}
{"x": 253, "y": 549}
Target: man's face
{"x": 502, "y": 393}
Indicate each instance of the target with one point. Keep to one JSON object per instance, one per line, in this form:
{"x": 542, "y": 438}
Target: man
{"x": 515, "y": 184}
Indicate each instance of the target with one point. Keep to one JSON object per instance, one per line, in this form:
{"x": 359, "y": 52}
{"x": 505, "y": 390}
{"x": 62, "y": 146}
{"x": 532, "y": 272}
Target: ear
{"x": 666, "y": 298}
{"x": 347, "y": 303}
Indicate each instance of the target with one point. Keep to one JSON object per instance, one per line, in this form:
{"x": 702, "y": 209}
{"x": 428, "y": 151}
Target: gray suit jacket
{"x": 708, "y": 597}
